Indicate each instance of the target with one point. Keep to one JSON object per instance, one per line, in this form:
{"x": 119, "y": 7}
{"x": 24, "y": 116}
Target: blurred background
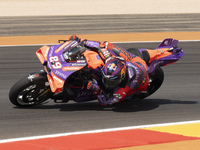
{"x": 50, "y": 17}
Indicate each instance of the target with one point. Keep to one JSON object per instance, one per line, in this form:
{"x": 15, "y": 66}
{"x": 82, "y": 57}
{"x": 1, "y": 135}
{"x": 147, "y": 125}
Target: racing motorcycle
{"x": 68, "y": 66}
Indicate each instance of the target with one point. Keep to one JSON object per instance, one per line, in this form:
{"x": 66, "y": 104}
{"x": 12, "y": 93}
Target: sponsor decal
{"x": 32, "y": 76}
{"x": 61, "y": 47}
{"x": 78, "y": 64}
{"x": 105, "y": 53}
{"x": 60, "y": 74}
{"x": 137, "y": 75}
{"x": 72, "y": 68}
{"x": 130, "y": 72}
{"x": 118, "y": 96}
{"x": 51, "y": 51}
{"x": 62, "y": 58}
{"x": 69, "y": 45}
{"x": 58, "y": 79}
{"x": 85, "y": 94}
{"x": 81, "y": 61}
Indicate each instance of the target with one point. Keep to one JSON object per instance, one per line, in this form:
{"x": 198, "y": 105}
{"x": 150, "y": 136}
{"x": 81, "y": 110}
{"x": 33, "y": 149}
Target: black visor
{"x": 111, "y": 82}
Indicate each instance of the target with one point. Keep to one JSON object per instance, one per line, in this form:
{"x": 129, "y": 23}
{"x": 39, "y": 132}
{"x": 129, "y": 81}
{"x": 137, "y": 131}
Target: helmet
{"x": 114, "y": 71}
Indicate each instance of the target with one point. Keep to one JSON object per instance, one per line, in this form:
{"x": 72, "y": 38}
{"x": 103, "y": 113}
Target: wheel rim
{"x": 30, "y": 95}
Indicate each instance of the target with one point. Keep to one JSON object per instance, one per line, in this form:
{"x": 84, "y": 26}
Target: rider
{"x": 122, "y": 75}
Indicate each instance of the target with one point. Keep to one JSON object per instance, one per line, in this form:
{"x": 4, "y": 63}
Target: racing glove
{"x": 102, "y": 100}
{"x": 119, "y": 95}
{"x": 113, "y": 100}
{"x": 99, "y": 47}
{"x": 74, "y": 37}
{"x": 109, "y": 99}
{"x": 93, "y": 86}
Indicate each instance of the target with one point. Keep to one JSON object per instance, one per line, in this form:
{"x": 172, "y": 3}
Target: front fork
{"x": 39, "y": 78}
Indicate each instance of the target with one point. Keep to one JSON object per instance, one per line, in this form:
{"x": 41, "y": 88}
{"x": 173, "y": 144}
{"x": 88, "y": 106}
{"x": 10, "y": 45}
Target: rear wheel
{"x": 135, "y": 52}
{"x": 156, "y": 79}
{"x": 26, "y": 93}
{"x": 155, "y": 83}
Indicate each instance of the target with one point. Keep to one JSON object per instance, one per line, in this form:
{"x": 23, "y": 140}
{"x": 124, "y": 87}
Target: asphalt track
{"x": 177, "y": 100}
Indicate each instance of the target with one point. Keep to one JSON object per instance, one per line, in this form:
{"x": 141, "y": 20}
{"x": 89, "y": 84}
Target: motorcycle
{"x": 68, "y": 66}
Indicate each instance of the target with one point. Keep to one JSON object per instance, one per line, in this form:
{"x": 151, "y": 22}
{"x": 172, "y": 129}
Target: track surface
{"x": 177, "y": 100}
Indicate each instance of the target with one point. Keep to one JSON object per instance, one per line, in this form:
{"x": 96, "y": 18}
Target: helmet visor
{"x": 109, "y": 82}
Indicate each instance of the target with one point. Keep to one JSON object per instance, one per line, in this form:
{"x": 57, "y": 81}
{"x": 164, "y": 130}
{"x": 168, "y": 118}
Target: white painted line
{"x": 26, "y": 45}
{"x": 97, "y": 131}
{"x": 111, "y": 42}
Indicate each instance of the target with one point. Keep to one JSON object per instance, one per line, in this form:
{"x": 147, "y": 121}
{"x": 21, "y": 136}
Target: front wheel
{"x": 27, "y": 93}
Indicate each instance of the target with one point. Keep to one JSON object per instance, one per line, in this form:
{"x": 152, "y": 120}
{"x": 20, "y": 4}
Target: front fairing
{"x": 59, "y": 68}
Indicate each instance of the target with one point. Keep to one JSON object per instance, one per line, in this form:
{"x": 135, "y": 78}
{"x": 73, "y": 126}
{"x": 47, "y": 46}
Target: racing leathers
{"x": 136, "y": 79}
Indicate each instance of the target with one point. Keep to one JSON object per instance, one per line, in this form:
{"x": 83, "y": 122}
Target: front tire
{"x": 25, "y": 93}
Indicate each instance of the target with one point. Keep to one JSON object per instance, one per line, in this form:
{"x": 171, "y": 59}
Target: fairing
{"x": 59, "y": 68}
{"x": 166, "y": 53}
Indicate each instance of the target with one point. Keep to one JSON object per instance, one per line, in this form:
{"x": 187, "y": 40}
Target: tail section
{"x": 166, "y": 53}
{"x": 168, "y": 43}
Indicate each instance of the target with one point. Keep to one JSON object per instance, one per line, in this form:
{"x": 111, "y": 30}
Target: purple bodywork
{"x": 175, "y": 56}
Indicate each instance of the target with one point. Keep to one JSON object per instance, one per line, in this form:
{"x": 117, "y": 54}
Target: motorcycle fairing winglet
{"x": 42, "y": 54}
{"x": 168, "y": 43}
{"x": 55, "y": 83}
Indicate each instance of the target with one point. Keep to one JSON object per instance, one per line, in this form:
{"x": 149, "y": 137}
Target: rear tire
{"x": 155, "y": 83}
{"x": 135, "y": 51}
{"x": 156, "y": 80}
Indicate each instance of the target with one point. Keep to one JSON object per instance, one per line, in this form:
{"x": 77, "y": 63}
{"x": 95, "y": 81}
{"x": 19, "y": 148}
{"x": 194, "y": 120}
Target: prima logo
{"x": 85, "y": 94}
